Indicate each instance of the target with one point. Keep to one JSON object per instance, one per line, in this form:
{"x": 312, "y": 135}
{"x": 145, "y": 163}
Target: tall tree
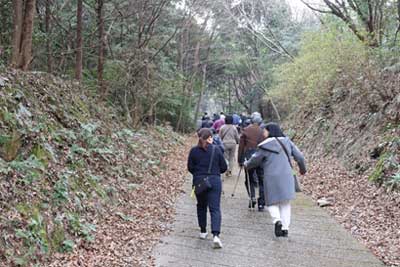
{"x": 364, "y": 18}
{"x": 79, "y": 42}
{"x": 17, "y": 32}
{"x": 101, "y": 40}
{"x": 23, "y": 19}
{"x": 48, "y": 37}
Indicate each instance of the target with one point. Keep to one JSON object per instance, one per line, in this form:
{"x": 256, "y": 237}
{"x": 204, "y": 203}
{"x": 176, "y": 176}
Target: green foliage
{"x": 68, "y": 245}
{"x": 378, "y": 172}
{"x": 324, "y": 57}
{"x": 386, "y": 164}
{"x": 29, "y": 169}
{"x": 61, "y": 189}
{"x": 42, "y": 154}
{"x": 79, "y": 227}
{"x": 34, "y": 235}
{"x": 393, "y": 182}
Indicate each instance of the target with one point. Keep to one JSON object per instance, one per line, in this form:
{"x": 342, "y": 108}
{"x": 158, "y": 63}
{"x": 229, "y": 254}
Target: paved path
{"x": 315, "y": 239}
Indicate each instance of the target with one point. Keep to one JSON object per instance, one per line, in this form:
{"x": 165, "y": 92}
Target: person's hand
{"x": 245, "y": 164}
{"x": 240, "y": 164}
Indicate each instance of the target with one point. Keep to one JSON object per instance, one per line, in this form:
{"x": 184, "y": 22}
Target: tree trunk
{"x": 203, "y": 85}
{"x": 100, "y": 65}
{"x": 79, "y": 42}
{"x": 27, "y": 31}
{"x": 48, "y": 39}
{"x": 17, "y": 32}
{"x": 229, "y": 101}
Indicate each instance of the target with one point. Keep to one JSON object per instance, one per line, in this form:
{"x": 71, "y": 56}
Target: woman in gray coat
{"x": 279, "y": 184}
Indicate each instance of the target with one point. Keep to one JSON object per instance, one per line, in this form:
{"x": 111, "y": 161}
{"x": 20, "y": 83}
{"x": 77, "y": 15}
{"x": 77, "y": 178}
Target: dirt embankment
{"x": 78, "y": 186}
{"x": 352, "y": 143}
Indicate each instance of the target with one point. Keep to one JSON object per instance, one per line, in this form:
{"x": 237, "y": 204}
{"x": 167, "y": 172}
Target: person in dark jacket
{"x": 278, "y": 174}
{"x": 206, "y": 122}
{"x": 198, "y": 164}
{"x": 215, "y": 117}
{"x": 251, "y": 136}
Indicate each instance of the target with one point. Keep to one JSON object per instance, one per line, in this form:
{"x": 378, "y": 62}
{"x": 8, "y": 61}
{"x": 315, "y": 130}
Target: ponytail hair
{"x": 204, "y": 134}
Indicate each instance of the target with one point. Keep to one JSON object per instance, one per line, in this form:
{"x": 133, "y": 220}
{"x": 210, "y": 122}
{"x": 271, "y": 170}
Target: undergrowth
{"x": 64, "y": 160}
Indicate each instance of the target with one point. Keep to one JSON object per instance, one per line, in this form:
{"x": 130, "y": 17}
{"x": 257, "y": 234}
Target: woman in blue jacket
{"x": 203, "y": 157}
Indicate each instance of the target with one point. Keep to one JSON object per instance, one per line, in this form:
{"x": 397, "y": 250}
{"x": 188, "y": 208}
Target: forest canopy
{"x": 168, "y": 60}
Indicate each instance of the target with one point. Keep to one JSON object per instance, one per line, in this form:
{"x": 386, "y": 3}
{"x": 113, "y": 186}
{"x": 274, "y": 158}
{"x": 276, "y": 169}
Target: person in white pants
{"x": 281, "y": 213}
{"x": 274, "y": 155}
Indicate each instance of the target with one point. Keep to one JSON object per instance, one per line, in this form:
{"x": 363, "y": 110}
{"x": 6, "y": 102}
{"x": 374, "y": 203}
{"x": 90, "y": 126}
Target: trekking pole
{"x": 248, "y": 187}
{"x": 237, "y": 181}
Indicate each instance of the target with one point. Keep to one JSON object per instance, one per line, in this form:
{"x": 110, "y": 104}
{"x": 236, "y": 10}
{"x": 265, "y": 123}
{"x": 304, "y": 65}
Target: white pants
{"x": 281, "y": 212}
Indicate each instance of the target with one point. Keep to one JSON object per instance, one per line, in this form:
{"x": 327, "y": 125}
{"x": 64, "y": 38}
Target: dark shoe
{"x": 252, "y": 204}
{"x": 285, "y": 233}
{"x": 260, "y": 207}
{"x": 278, "y": 229}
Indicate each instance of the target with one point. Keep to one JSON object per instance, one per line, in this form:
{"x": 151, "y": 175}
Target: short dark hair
{"x": 273, "y": 130}
{"x": 228, "y": 119}
{"x": 204, "y": 134}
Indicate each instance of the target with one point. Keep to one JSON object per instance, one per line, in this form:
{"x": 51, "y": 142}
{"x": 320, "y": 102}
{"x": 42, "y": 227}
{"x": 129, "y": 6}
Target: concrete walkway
{"x": 315, "y": 239}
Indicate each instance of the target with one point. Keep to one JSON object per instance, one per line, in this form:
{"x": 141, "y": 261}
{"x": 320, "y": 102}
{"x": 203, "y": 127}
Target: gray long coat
{"x": 278, "y": 175}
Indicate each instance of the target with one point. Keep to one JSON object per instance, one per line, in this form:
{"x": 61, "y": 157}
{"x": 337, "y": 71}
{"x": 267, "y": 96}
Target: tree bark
{"x": 17, "y": 32}
{"x": 48, "y": 38}
{"x": 79, "y": 42}
{"x": 203, "y": 86}
{"x": 398, "y": 26}
{"x": 26, "y": 39}
{"x": 101, "y": 35}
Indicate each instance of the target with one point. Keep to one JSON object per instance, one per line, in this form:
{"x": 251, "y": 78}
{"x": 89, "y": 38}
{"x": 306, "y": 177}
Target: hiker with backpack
{"x": 230, "y": 138}
{"x": 274, "y": 156}
{"x": 251, "y": 136}
{"x": 206, "y": 163}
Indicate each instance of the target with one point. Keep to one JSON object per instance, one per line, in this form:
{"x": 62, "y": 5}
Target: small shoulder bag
{"x": 296, "y": 181}
{"x": 204, "y": 184}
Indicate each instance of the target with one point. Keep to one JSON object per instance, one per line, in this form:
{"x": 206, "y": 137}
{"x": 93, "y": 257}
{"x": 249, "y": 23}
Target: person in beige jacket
{"x": 230, "y": 138}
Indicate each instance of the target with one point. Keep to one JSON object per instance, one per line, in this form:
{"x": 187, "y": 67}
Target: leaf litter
{"x": 369, "y": 212}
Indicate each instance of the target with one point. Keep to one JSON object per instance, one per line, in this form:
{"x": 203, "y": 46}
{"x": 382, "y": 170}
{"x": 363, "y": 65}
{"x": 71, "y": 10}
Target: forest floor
{"x": 370, "y": 213}
{"x": 128, "y": 239}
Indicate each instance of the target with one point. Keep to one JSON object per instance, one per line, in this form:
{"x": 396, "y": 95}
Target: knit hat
{"x": 256, "y": 119}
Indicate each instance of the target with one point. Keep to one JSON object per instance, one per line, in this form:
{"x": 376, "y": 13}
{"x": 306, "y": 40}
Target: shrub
{"x": 323, "y": 58}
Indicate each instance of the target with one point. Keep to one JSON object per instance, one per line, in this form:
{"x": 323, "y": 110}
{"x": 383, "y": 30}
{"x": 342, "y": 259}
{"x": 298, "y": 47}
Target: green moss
{"x": 378, "y": 172}
{"x": 10, "y": 146}
{"x": 41, "y": 154}
{"x": 87, "y": 184}
{"x": 24, "y": 209}
{"x": 57, "y": 237}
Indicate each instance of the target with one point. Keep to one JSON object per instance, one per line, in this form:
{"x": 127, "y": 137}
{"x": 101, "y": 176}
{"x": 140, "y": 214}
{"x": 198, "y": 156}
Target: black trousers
{"x": 255, "y": 176}
{"x": 210, "y": 199}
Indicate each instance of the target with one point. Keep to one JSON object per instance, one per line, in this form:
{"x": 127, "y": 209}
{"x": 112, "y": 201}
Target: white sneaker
{"x": 203, "y": 235}
{"x": 217, "y": 242}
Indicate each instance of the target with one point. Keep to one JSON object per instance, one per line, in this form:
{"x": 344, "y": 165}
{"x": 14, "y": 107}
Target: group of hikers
{"x": 264, "y": 152}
